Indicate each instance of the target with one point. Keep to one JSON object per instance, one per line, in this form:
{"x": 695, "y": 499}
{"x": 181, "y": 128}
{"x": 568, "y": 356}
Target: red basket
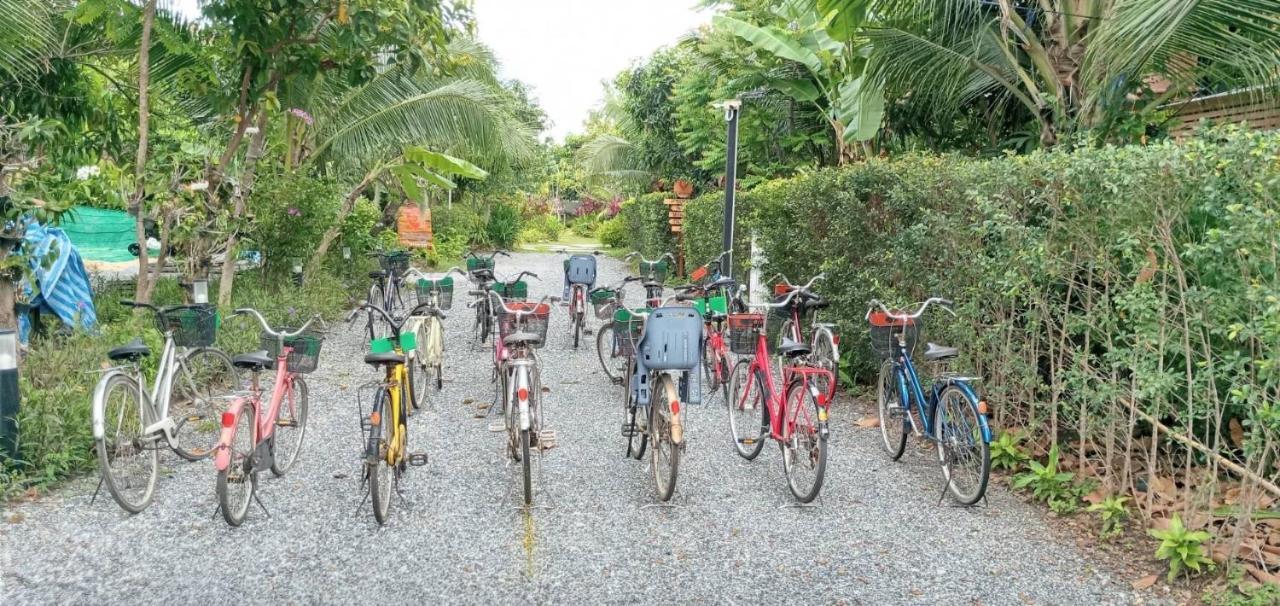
{"x": 885, "y": 331}
{"x": 781, "y": 289}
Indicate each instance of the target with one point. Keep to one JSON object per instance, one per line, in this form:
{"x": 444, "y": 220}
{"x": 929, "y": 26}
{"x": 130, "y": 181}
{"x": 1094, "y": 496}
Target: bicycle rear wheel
{"x": 605, "y": 350}
{"x": 127, "y": 459}
{"x": 804, "y": 455}
{"x": 415, "y": 383}
{"x": 236, "y": 483}
{"x": 637, "y": 439}
{"x": 665, "y": 454}
{"x": 291, "y": 427}
{"x": 748, "y": 415}
{"x": 377, "y": 470}
{"x": 963, "y": 453}
{"x": 826, "y": 355}
{"x": 526, "y": 464}
{"x": 892, "y": 412}
{"x": 202, "y": 377}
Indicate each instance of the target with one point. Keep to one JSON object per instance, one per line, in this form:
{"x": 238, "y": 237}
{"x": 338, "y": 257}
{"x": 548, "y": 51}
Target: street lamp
{"x": 297, "y": 272}
{"x": 200, "y": 291}
{"x": 9, "y": 393}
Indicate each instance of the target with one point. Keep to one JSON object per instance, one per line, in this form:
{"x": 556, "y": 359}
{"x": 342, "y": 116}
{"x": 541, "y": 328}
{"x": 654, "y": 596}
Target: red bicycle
{"x": 256, "y": 437}
{"x": 795, "y": 416}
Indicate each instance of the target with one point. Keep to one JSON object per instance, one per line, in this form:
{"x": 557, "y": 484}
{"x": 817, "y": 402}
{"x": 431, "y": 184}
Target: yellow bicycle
{"x": 387, "y": 456}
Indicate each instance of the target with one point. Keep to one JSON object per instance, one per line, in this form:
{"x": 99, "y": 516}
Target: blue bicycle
{"x": 952, "y": 416}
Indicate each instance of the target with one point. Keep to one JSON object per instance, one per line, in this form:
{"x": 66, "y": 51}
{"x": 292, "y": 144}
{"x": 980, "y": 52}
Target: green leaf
{"x": 770, "y": 41}
{"x": 861, "y": 108}
{"x": 843, "y": 18}
{"x": 408, "y": 182}
{"x": 800, "y": 90}
{"x": 444, "y": 163}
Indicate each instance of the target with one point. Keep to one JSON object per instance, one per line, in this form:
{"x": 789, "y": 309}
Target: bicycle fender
{"x": 222, "y": 452}
{"x": 99, "y": 392}
{"x": 973, "y": 399}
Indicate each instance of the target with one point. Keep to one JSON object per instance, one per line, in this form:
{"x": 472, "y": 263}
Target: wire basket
{"x": 394, "y": 262}
{"x": 305, "y": 356}
{"x": 604, "y": 302}
{"x": 655, "y": 271}
{"x": 194, "y": 326}
{"x": 628, "y": 327}
{"x": 744, "y": 330}
{"x": 535, "y": 322}
{"x": 442, "y": 289}
{"x": 478, "y": 263}
{"x": 514, "y": 291}
{"x": 885, "y": 331}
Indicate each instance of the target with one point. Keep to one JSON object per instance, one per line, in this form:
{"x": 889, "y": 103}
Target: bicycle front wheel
{"x": 291, "y": 426}
{"x": 605, "y": 350}
{"x": 665, "y": 452}
{"x": 577, "y": 328}
{"x": 637, "y": 437}
{"x": 748, "y": 415}
{"x": 804, "y": 454}
{"x": 892, "y": 412}
{"x": 236, "y": 483}
{"x": 826, "y": 355}
{"x": 526, "y": 463}
{"x": 127, "y": 459}
{"x": 202, "y": 378}
{"x": 963, "y": 453}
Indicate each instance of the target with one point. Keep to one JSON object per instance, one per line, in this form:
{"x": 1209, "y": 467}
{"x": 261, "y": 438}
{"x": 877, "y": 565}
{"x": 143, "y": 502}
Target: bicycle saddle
{"x": 132, "y": 351}
{"x": 377, "y": 274}
{"x": 482, "y": 274}
{"x": 935, "y": 352}
{"x": 519, "y": 338}
{"x": 255, "y": 361}
{"x": 379, "y": 359}
{"x": 793, "y": 349}
{"x": 722, "y": 283}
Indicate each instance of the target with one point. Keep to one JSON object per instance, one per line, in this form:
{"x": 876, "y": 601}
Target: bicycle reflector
{"x": 228, "y": 420}
{"x": 523, "y": 394}
{"x": 698, "y": 274}
{"x": 983, "y": 409}
{"x": 375, "y": 418}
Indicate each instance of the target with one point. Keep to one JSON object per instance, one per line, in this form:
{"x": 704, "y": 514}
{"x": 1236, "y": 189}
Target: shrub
{"x": 613, "y": 233}
{"x": 646, "y": 221}
{"x": 503, "y": 226}
{"x": 1184, "y": 549}
{"x": 586, "y": 226}
{"x": 291, "y": 211}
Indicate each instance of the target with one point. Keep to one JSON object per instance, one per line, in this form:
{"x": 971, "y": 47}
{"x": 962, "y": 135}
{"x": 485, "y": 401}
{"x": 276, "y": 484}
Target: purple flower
{"x": 302, "y": 115}
{"x": 294, "y": 212}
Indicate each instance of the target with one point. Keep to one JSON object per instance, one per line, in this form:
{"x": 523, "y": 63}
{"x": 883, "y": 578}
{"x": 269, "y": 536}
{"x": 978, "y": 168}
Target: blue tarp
{"x": 63, "y": 282}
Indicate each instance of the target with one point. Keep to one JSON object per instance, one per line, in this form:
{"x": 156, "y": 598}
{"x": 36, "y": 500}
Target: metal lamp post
{"x": 9, "y": 393}
{"x": 731, "y": 110}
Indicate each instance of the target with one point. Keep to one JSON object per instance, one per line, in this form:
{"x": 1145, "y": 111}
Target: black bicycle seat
{"x": 519, "y": 338}
{"x": 792, "y": 349}
{"x": 377, "y": 274}
{"x": 935, "y": 352}
{"x": 255, "y": 361}
{"x": 379, "y": 359}
{"x": 722, "y": 283}
{"x": 132, "y": 351}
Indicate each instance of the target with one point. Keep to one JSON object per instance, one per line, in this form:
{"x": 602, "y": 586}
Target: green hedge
{"x": 645, "y": 218}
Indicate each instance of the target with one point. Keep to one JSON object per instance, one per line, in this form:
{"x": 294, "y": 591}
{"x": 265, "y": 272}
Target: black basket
{"x": 395, "y": 262}
{"x": 628, "y": 327}
{"x": 191, "y": 326}
{"x": 535, "y": 322}
{"x": 744, "y": 331}
{"x": 305, "y": 356}
{"x": 885, "y": 331}
{"x": 441, "y": 288}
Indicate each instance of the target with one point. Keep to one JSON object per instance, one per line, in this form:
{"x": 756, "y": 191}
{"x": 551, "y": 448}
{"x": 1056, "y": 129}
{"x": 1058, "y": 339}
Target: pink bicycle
{"x": 255, "y": 436}
{"x": 795, "y": 416}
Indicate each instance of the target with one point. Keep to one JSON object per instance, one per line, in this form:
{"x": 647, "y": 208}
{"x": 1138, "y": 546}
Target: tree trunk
{"x": 241, "y": 195}
{"x": 165, "y": 229}
{"x": 143, "y": 292}
{"x": 331, "y": 234}
{"x": 8, "y": 296}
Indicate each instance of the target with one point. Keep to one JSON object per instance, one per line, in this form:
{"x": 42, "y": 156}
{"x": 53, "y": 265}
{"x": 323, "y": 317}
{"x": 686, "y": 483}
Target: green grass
{"x": 568, "y": 240}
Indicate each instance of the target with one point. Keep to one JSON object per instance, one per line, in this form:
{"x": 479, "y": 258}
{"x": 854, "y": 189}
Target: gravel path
{"x": 879, "y": 536}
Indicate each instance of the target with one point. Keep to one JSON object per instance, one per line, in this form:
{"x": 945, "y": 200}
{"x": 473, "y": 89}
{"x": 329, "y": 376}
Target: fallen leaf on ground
{"x": 1237, "y": 432}
{"x": 1144, "y": 582}
{"x": 16, "y": 517}
{"x": 868, "y": 421}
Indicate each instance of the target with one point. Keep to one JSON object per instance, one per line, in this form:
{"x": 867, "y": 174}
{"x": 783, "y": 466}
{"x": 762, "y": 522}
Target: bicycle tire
{"x": 974, "y": 433}
{"x": 486, "y": 323}
{"x": 894, "y": 444}
{"x": 638, "y": 440}
{"x": 411, "y": 383}
{"x": 747, "y": 444}
{"x": 826, "y": 355}
{"x": 604, "y": 351}
{"x": 378, "y": 470}
{"x": 285, "y": 455}
{"x": 660, "y": 415}
{"x": 109, "y": 449}
{"x": 236, "y": 507}
{"x": 198, "y": 419}
{"x": 815, "y": 447}
{"x": 439, "y": 376}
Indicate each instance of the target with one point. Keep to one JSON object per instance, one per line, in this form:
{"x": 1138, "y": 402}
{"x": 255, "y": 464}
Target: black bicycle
{"x": 385, "y": 286}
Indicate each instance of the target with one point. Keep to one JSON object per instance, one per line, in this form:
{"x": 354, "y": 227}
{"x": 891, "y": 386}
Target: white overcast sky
{"x": 565, "y": 49}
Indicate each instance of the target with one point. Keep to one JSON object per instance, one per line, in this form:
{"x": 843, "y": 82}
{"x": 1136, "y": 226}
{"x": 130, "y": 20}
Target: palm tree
{"x": 1071, "y": 63}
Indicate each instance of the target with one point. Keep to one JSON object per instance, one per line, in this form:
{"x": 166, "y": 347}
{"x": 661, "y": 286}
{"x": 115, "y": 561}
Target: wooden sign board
{"x": 414, "y": 227}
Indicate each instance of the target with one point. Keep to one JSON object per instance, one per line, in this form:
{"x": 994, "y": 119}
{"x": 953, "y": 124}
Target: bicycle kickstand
{"x": 97, "y": 490}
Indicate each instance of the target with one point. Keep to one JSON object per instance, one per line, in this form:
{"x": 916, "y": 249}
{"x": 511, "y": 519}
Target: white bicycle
{"x": 131, "y": 423}
{"x": 427, "y": 356}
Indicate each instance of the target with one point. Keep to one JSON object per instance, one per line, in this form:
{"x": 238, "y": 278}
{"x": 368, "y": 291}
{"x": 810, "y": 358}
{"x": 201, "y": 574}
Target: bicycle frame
{"x": 154, "y": 404}
{"x": 264, "y": 425}
{"x": 396, "y": 378}
{"x": 910, "y": 390}
{"x": 781, "y": 424}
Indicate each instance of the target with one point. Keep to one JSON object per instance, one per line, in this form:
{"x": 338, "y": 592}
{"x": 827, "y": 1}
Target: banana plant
{"x": 832, "y": 78}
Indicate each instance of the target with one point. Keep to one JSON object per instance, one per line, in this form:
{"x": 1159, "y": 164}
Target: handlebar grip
{"x": 685, "y": 297}
{"x": 475, "y": 293}
{"x": 532, "y": 274}
{"x": 128, "y": 303}
{"x": 503, "y": 253}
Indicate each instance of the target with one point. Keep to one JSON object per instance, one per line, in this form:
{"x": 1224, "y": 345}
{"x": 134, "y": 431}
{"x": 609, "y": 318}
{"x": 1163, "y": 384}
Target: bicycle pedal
{"x": 588, "y": 331}
{"x": 286, "y": 423}
{"x": 195, "y": 418}
{"x": 630, "y": 430}
{"x": 417, "y": 459}
{"x": 616, "y": 380}
{"x": 546, "y": 439}
{"x": 497, "y": 427}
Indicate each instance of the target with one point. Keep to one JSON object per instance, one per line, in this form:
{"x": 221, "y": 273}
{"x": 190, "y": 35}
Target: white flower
{"x": 198, "y": 186}
{"x": 252, "y": 130}
{"x": 85, "y": 173}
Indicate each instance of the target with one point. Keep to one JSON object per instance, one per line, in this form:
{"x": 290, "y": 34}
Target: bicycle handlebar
{"x": 472, "y": 254}
{"x": 795, "y": 290}
{"x": 521, "y": 312}
{"x": 874, "y": 303}
{"x": 271, "y": 331}
{"x": 521, "y": 275}
{"x": 649, "y": 261}
{"x": 415, "y": 273}
{"x": 564, "y": 251}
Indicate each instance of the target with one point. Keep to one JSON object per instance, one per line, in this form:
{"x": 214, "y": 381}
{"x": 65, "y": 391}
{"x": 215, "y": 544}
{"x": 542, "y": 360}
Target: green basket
{"x": 627, "y": 329}
{"x": 718, "y": 304}
{"x": 305, "y": 356}
{"x": 603, "y": 302}
{"x": 516, "y": 291}
{"x": 477, "y": 263}
{"x": 656, "y": 271}
{"x": 387, "y": 345}
{"x": 442, "y": 288}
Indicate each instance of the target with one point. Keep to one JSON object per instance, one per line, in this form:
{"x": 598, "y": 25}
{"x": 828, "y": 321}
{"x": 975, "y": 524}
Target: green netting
{"x": 100, "y": 234}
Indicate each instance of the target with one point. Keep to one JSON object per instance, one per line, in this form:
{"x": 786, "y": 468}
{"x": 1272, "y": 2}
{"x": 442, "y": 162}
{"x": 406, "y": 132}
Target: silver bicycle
{"x": 133, "y": 421}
